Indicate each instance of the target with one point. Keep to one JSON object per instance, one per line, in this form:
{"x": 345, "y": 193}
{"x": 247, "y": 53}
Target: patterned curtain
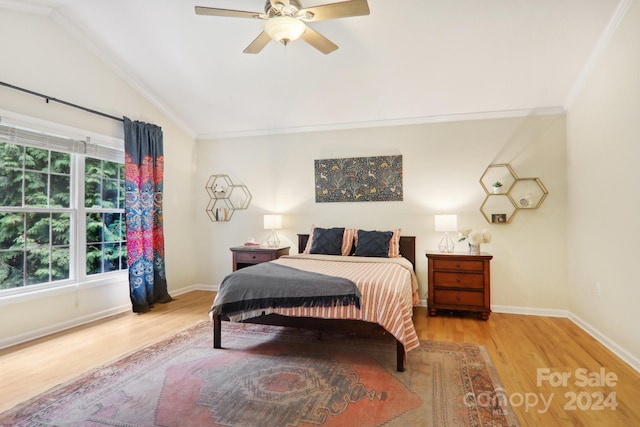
{"x": 144, "y": 165}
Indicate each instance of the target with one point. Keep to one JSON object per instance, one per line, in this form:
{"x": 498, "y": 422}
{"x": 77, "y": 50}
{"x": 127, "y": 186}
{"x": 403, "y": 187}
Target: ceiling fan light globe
{"x": 284, "y": 29}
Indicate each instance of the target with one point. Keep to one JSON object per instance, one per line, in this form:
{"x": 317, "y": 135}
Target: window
{"x": 61, "y": 210}
{"x": 106, "y": 246}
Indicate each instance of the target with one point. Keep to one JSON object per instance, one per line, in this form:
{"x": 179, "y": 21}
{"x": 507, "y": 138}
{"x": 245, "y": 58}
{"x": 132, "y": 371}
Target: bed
{"x": 386, "y": 286}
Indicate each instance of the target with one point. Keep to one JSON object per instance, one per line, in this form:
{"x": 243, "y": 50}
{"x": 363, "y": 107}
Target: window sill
{"x": 47, "y": 292}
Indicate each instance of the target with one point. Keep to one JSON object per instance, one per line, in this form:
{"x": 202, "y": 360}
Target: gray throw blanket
{"x": 273, "y": 285}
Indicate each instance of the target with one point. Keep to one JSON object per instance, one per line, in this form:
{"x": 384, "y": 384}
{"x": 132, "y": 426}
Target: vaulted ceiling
{"x": 408, "y": 61}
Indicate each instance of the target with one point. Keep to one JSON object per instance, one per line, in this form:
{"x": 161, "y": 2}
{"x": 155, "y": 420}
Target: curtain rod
{"x": 50, "y": 98}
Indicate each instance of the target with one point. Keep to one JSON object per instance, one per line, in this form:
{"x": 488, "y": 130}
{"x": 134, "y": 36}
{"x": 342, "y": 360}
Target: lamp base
{"x": 273, "y": 240}
{"x": 446, "y": 245}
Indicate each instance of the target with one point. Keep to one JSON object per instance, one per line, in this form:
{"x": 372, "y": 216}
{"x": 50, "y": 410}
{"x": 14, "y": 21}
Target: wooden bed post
{"x": 400, "y": 356}
{"x": 217, "y": 331}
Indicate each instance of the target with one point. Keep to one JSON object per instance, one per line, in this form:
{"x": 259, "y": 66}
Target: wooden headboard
{"x": 407, "y": 247}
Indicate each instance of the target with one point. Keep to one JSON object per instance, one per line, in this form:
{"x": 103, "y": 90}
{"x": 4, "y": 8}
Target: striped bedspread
{"x": 389, "y": 290}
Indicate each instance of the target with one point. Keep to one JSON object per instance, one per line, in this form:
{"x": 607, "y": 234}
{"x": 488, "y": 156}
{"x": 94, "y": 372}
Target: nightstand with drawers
{"x": 244, "y": 256}
{"x": 459, "y": 282}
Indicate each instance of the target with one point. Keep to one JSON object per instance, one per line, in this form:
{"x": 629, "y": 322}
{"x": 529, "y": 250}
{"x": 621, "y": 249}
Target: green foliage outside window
{"x": 106, "y": 233}
{"x": 36, "y": 212}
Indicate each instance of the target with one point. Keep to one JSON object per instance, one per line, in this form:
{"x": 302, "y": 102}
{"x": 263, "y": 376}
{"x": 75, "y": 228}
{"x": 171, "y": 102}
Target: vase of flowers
{"x": 474, "y": 238}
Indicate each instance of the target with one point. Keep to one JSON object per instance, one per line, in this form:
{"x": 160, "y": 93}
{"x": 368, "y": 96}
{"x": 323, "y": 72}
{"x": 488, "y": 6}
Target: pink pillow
{"x": 307, "y": 248}
{"x": 347, "y": 240}
{"x": 394, "y": 244}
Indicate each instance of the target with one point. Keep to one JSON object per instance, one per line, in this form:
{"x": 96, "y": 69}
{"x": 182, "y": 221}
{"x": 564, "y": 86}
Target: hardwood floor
{"x": 518, "y": 345}
{"x": 521, "y": 345}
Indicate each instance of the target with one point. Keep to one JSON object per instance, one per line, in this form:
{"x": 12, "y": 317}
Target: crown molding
{"x": 596, "y": 53}
{"x": 484, "y": 115}
{"x": 22, "y": 6}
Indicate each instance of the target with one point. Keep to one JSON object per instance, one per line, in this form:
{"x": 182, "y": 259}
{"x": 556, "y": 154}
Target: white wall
{"x": 443, "y": 163}
{"x": 604, "y": 201}
{"x": 39, "y": 55}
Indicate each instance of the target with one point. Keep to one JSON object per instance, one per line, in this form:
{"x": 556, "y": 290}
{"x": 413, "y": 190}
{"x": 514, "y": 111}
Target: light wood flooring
{"x": 519, "y": 346}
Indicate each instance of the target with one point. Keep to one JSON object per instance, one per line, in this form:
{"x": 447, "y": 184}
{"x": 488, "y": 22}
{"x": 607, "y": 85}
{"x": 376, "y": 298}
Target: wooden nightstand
{"x": 459, "y": 282}
{"x": 244, "y": 256}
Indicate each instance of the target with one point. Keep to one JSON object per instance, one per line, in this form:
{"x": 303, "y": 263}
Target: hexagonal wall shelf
{"x": 226, "y": 198}
{"x": 498, "y": 179}
{"x": 498, "y": 208}
{"x": 512, "y": 194}
{"x": 239, "y": 196}
{"x": 219, "y": 210}
{"x": 218, "y": 185}
{"x": 528, "y": 193}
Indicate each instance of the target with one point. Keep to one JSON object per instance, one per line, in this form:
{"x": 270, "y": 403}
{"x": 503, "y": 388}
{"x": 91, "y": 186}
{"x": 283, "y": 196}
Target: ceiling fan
{"x": 285, "y": 21}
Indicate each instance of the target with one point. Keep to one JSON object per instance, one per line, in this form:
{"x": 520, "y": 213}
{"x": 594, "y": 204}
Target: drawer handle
{"x": 253, "y": 256}
{"x": 458, "y": 298}
{"x": 457, "y": 265}
{"x": 457, "y": 280}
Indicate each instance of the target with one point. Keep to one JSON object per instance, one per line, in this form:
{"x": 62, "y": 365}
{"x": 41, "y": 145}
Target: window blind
{"x": 33, "y": 138}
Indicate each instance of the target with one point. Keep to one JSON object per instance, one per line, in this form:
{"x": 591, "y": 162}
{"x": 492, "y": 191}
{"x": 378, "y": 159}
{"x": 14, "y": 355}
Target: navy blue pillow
{"x": 373, "y": 243}
{"x": 327, "y": 241}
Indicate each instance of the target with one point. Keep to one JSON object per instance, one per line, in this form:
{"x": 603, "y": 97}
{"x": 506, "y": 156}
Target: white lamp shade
{"x": 446, "y": 222}
{"x": 284, "y": 28}
{"x": 272, "y": 222}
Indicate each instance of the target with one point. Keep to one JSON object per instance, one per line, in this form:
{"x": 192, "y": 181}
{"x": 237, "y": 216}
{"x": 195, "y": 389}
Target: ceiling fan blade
{"x": 334, "y": 10}
{"x": 258, "y": 44}
{"x": 212, "y": 11}
{"x": 318, "y": 41}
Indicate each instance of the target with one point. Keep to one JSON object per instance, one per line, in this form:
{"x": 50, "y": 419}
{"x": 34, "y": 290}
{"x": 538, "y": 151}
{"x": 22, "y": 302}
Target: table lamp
{"x": 273, "y": 223}
{"x": 446, "y": 223}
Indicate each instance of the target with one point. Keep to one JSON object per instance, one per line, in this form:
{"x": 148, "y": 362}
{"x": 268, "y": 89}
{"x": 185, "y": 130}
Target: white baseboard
{"x": 58, "y": 327}
{"x": 196, "y": 287}
{"x": 529, "y": 311}
{"x": 623, "y": 354}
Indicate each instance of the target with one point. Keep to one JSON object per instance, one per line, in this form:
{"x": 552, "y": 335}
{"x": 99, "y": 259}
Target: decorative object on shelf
{"x": 528, "y": 193}
{"x": 226, "y": 198}
{"x": 498, "y": 208}
{"x": 446, "y": 223}
{"x": 359, "y": 179}
{"x": 273, "y": 223}
{"x": 507, "y": 193}
{"x": 474, "y": 238}
{"x": 499, "y": 176}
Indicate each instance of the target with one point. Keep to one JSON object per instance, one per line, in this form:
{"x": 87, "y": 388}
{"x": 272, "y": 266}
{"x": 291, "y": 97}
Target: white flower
{"x": 464, "y": 233}
{"x": 474, "y": 237}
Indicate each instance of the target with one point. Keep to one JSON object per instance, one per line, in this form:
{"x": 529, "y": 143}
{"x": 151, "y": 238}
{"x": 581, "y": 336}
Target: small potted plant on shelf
{"x": 497, "y": 187}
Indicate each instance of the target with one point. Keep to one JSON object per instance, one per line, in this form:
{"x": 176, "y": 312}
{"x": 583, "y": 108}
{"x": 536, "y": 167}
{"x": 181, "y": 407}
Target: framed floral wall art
{"x": 359, "y": 179}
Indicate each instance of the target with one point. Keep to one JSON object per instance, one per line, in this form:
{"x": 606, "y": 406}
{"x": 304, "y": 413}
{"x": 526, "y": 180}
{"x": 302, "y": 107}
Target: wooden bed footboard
{"x": 275, "y": 319}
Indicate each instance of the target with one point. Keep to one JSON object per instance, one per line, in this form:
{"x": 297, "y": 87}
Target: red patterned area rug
{"x": 275, "y": 376}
